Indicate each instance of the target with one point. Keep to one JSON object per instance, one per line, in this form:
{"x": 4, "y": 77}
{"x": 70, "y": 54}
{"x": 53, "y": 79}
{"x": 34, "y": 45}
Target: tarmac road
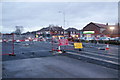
{"x": 34, "y": 60}
{"x": 55, "y": 67}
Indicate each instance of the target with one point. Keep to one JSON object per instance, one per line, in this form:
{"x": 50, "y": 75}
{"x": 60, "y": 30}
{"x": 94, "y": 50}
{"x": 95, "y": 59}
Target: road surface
{"x": 35, "y": 61}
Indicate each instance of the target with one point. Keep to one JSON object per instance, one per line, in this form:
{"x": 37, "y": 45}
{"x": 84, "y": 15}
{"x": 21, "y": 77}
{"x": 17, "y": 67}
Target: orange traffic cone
{"x": 107, "y": 47}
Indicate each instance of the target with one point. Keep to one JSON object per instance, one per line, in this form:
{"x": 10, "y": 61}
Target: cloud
{"x": 35, "y": 15}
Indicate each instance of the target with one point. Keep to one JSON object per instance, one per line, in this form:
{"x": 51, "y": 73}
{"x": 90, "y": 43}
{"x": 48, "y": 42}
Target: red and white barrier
{"x": 9, "y": 40}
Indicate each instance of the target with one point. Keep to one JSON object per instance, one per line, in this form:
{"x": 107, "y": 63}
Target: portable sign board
{"x": 78, "y": 45}
{"x": 63, "y": 42}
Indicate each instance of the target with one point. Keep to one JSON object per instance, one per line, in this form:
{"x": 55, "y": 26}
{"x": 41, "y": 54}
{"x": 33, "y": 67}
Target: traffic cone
{"x": 59, "y": 51}
{"x": 107, "y": 47}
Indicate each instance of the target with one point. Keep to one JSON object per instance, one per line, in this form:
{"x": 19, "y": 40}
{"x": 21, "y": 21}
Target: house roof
{"x": 100, "y": 25}
{"x": 52, "y": 29}
{"x": 71, "y": 29}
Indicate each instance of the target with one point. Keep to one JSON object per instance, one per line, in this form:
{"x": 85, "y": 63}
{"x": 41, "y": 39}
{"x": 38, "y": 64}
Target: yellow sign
{"x": 78, "y": 45}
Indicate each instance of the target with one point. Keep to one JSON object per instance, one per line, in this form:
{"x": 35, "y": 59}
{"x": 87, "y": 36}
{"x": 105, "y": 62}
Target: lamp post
{"x": 63, "y": 19}
{"x": 112, "y": 29}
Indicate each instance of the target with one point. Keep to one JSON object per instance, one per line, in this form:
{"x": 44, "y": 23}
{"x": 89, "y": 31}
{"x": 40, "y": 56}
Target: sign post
{"x": 12, "y": 54}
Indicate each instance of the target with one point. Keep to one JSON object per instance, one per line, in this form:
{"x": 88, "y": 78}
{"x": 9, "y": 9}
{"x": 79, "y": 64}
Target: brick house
{"x": 100, "y": 30}
{"x": 29, "y": 34}
{"x": 72, "y": 32}
{"x": 51, "y": 30}
{"x": 114, "y": 33}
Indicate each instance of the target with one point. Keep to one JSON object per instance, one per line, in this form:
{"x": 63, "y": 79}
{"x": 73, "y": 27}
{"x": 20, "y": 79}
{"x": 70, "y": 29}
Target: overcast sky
{"x": 35, "y": 15}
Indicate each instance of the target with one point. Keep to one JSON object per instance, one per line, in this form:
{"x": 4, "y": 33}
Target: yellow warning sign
{"x": 78, "y": 45}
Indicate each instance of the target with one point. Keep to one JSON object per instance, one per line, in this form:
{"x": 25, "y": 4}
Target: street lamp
{"x": 63, "y": 17}
{"x": 112, "y": 28}
{"x": 63, "y": 12}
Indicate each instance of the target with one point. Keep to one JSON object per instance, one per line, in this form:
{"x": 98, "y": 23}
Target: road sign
{"x": 63, "y": 42}
{"x": 78, "y": 45}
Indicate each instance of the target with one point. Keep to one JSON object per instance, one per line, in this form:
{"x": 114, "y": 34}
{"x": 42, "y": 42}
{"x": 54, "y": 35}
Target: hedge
{"x": 106, "y": 42}
{"x": 94, "y": 41}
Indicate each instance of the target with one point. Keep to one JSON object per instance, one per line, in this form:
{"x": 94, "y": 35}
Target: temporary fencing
{"x": 61, "y": 44}
{"x": 12, "y": 44}
{"x": 8, "y": 44}
{"x": 16, "y": 44}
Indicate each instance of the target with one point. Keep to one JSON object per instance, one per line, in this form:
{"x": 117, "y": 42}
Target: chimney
{"x": 117, "y": 24}
{"x": 106, "y": 24}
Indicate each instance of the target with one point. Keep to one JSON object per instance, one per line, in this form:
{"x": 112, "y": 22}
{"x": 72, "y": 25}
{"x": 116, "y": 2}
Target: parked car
{"x": 112, "y": 38}
{"x": 104, "y": 38}
{"x": 117, "y": 38}
{"x": 82, "y": 38}
{"x": 87, "y": 38}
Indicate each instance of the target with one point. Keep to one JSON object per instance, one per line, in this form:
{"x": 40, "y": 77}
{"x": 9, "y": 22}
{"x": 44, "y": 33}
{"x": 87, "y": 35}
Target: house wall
{"x": 92, "y": 27}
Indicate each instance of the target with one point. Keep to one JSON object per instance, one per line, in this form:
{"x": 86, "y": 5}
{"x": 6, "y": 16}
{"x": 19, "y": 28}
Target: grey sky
{"x": 35, "y": 15}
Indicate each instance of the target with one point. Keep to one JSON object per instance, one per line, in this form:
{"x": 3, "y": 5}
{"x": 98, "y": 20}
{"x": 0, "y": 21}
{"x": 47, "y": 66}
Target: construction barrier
{"x": 12, "y": 44}
{"x": 61, "y": 45}
{"x": 9, "y": 47}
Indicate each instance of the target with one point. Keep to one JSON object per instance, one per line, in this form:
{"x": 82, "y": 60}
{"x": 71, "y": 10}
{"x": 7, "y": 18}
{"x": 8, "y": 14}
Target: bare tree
{"x": 19, "y": 30}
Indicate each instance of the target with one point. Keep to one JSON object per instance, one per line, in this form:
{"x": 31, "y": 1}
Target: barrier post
{"x": 12, "y": 54}
{"x": 59, "y": 51}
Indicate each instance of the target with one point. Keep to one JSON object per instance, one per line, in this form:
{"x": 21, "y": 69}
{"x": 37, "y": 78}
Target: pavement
{"x": 32, "y": 57}
{"x": 55, "y": 67}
